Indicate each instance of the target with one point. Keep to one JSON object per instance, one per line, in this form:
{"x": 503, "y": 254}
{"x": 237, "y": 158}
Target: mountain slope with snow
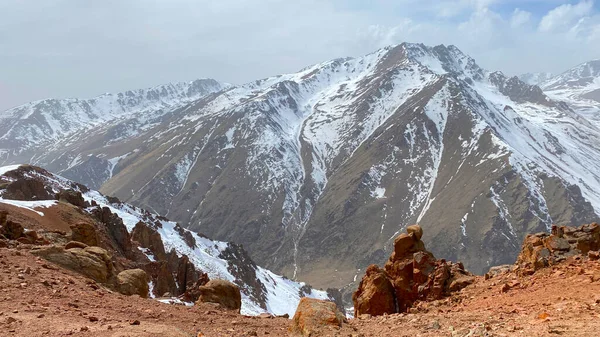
{"x": 316, "y": 172}
{"x": 580, "y": 88}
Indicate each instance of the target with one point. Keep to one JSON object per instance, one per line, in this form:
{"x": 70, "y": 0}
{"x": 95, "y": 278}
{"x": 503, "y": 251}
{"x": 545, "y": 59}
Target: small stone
{"x": 435, "y": 325}
{"x": 41, "y": 316}
{"x": 134, "y": 322}
{"x": 84, "y": 328}
{"x": 93, "y": 319}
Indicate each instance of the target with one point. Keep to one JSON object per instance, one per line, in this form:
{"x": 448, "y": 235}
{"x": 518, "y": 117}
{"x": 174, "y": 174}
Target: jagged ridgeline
{"x": 316, "y": 172}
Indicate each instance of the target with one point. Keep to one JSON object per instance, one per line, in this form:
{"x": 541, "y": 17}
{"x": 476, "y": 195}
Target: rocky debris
{"x": 72, "y": 197}
{"x": 93, "y": 262}
{"x": 149, "y": 238}
{"x": 542, "y": 249}
{"x": 498, "y": 270}
{"x": 85, "y": 233}
{"x": 222, "y": 292}
{"x": 186, "y": 235}
{"x": 313, "y": 316}
{"x": 412, "y": 273}
{"x": 192, "y": 293}
{"x": 133, "y": 282}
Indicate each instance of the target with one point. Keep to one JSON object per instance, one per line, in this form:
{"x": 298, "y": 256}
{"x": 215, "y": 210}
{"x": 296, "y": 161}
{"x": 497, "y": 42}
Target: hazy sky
{"x": 82, "y": 48}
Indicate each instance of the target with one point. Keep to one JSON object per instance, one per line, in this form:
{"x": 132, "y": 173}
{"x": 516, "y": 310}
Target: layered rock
{"x": 85, "y": 233}
{"x": 412, "y": 273}
{"x": 542, "y": 249}
{"x": 93, "y": 262}
{"x": 313, "y": 316}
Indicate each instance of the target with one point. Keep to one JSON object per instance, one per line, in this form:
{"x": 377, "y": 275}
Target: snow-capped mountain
{"x": 535, "y": 78}
{"x": 39, "y": 124}
{"x": 316, "y": 172}
{"x": 580, "y": 87}
{"x": 262, "y": 290}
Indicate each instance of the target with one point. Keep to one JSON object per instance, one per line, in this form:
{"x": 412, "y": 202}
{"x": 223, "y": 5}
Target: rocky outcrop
{"x": 313, "y": 316}
{"x": 149, "y": 238}
{"x": 72, "y": 197}
{"x": 412, "y": 273}
{"x": 92, "y": 262}
{"x": 221, "y": 292}
{"x": 133, "y": 282}
{"x": 116, "y": 230}
{"x": 542, "y": 249}
{"x": 28, "y": 188}
{"x": 85, "y": 233}
{"x": 376, "y": 294}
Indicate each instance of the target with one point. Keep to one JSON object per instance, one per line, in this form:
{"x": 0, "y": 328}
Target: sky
{"x": 75, "y": 48}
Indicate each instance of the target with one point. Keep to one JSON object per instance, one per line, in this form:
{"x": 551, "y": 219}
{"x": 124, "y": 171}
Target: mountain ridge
{"x": 348, "y": 152}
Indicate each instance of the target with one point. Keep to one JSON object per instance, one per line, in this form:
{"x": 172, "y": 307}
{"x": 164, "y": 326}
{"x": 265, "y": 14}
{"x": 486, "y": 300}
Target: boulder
{"x": 133, "y": 282}
{"x": 222, "y": 292}
{"x": 416, "y": 230}
{"x": 375, "y": 294}
{"x": 12, "y": 230}
{"x": 85, "y": 233}
{"x": 313, "y": 316}
{"x": 92, "y": 262}
{"x": 72, "y": 197}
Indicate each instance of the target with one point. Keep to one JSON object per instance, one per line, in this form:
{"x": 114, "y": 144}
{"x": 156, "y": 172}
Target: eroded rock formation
{"x": 412, "y": 273}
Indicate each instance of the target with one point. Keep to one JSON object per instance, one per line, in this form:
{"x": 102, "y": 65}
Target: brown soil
{"x": 39, "y": 299}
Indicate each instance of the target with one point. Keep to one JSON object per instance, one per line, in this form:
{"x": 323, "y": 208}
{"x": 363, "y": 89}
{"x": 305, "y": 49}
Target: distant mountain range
{"x": 316, "y": 172}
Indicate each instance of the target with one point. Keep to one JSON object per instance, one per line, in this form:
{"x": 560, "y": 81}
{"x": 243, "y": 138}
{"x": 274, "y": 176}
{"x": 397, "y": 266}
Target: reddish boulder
{"x": 313, "y": 316}
{"x": 222, "y": 292}
{"x": 375, "y": 294}
{"x": 133, "y": 282}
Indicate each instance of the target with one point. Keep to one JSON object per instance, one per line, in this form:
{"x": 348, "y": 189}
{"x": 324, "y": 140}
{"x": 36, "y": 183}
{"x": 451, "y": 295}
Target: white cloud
{"x": 83, "y": 48}
{"x": 562, "y": 17}
{"x": 519, "y": 18}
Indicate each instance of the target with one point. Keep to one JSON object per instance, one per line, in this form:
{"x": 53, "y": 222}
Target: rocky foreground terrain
{"x": 552, "y": 289}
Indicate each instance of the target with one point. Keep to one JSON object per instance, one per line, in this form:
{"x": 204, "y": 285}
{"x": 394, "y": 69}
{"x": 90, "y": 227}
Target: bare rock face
{"x": 92, "y": 262}
{"x": 222, "y": 292}
{"x": 133, "y": 282}
{"x": 150, "y": 239}
{"x": 313, "y": 316}
{"x": 116, "y": 230}
{"x": 542, "y": 249}
{"x": 375, "y": 293}
{"x": 85, "y": 233}
{"x": 413, "y": 273}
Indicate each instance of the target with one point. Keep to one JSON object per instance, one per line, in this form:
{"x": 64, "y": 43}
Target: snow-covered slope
{"x": 580, "y": 87}
{"x": 40, "y": 123}
{"x": 281, "y": 294}
{"x": 535, "y": 78}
